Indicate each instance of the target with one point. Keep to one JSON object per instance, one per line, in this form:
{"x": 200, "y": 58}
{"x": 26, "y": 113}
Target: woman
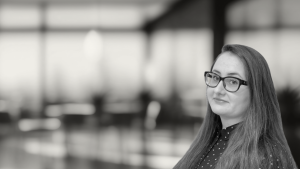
{"x": 242, "y": 128}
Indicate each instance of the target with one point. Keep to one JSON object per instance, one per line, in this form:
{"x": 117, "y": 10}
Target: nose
{"x": 219, "y": 89}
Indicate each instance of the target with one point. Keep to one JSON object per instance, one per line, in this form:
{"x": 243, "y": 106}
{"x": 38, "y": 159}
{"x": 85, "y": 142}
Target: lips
{"x": 220, "y": 100}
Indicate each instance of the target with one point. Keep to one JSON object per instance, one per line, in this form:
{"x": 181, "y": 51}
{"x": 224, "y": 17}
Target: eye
{"x": 216, "y": 78}
{"x": 234, "y": 82}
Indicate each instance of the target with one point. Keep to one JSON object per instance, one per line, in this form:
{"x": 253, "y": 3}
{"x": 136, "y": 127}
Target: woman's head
{"x": 249, "y": 65}
{"x": 259, "y": 94}
{"x": 229, "y": 97}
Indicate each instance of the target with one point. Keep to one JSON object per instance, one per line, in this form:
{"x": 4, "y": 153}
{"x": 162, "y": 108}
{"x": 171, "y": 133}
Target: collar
{"x": 225, "y": 133}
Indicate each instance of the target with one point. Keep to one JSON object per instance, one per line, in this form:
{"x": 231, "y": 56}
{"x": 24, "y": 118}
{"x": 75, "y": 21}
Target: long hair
{"x": 258, "y": 141}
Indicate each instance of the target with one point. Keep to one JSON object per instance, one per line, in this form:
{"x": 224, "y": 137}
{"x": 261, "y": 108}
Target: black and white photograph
{"x": 149, "y": 84}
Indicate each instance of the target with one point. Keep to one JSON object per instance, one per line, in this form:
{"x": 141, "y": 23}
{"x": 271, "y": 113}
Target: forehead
{"x": 229, "y": 63}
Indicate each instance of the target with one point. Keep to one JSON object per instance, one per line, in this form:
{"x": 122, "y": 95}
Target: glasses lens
{"x": 232, "y": 84}
{"x": 212, "y": 80}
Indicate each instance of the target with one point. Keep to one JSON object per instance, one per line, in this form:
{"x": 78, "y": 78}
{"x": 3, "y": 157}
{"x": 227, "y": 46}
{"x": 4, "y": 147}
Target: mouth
{"x": 220, "y": 100}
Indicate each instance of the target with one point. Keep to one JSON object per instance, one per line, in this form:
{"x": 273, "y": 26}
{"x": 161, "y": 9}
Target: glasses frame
{"x": 242, "y": 82}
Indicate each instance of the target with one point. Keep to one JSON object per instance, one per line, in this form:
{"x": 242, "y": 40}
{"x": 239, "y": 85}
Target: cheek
{"x": 242, "y": 102}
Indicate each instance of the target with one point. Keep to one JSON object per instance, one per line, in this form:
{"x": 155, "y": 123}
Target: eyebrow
{"x": 232, "y": 73}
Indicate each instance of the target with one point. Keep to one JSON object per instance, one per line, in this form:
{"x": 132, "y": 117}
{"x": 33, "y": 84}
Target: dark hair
{"x": 259, "y": 140}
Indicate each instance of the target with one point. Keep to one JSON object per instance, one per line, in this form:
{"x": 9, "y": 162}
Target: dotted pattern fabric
{"x": 210, "y": 158}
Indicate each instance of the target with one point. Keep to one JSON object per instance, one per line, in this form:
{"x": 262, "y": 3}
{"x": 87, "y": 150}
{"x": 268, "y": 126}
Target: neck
{"x": 229, "y": 122}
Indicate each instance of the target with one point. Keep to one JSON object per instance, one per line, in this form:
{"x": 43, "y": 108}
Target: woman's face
{"x": 228, "y": 105}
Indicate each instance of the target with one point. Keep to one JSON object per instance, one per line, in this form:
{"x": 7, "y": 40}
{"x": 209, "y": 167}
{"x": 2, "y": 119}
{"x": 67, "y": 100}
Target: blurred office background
{"x": 117, "y": 84}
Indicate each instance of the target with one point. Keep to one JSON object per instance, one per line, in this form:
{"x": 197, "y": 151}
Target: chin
{"x": 219, "y": 110}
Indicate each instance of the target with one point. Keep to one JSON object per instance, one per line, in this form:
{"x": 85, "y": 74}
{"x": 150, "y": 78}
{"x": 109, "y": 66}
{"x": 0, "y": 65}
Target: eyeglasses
{"x": 231, "y": 84}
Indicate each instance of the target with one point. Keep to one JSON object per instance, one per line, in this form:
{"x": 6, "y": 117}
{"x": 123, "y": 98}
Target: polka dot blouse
{"x": 210, "y": 158}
